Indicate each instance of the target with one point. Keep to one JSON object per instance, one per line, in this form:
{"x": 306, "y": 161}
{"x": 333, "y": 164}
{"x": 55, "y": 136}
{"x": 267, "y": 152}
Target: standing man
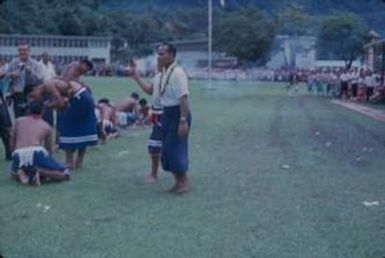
{"x": 24, "y": 72}
{"x": 5, "y": 120}
{"x": 176, "y": 118}
{"x": 155, "y": 140}
{"x": 48, "y": 68}
{"x": 48, "y": 73}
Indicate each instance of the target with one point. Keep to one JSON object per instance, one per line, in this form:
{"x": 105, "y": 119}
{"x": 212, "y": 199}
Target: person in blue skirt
{"x": 155, "y": 140}
{"x": 176, "y": 118}
{"x": 77, "y": 125}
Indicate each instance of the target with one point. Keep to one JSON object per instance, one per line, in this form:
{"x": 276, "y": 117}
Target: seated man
{"x": 379, "y": 94}
{"x": 128, "y": 109}
{"x": 106, "y": 120}
{"x": 144, "y": 113}
{"x": 31, "y": 141}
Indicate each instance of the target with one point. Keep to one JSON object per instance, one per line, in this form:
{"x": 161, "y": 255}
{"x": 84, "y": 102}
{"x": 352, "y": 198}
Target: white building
{"x": 293, "y": 52}
{"x": 62, "y": 49}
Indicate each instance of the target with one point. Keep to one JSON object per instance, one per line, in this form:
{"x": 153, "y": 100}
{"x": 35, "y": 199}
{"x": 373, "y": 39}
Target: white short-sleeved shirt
{"x": 344, "y": 77}
{"x": 48, "y": 71}
{"x": 156, "y": 91}
{"x": 174, "y": 85}
{"x": 354, "y": 77}
{"x": 370, "y": 81}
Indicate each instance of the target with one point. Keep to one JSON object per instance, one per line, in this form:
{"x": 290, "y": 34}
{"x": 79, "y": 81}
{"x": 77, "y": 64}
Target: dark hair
{"x": 23, "y": 43}
{"x": 170, "y": 48}
{"x": 88, "y": 63}
{"x": 36, "y": 107}
{"x": 104, "y": 101}
{"x": 142, "y": 102}
{"x": 135, "y": 95}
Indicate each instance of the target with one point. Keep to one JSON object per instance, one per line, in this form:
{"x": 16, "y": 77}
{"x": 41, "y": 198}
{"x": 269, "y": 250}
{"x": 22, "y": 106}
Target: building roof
{"x": 376, "y": 43}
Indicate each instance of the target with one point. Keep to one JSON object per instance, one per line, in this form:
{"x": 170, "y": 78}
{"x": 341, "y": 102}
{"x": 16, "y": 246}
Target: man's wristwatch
{"x": 182, "y": 119}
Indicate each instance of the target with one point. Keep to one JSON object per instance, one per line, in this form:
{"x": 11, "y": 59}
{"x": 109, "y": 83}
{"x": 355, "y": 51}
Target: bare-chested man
{"x": 31, "y": 142}
{"x": 74, "y": 70}
{"x": 128, "y": 109}
{"x": 144, "y": 113}
{"x": 155, "y": 139}
{"x": 58, "y": 89}
{"x": 56, "y": 92}
{"x": 106, "y": 120}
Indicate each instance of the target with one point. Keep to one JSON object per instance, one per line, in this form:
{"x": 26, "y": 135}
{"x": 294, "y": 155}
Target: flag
{"x": 222, "y": 3}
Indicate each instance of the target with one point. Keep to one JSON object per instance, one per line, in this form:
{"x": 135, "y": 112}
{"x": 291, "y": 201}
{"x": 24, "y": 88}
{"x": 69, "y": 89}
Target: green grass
{"x": 243, "y": 202}
{"x": 380, "y": 105}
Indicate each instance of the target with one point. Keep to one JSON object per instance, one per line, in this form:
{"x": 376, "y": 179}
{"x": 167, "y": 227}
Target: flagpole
{"x": 210, "y": 57}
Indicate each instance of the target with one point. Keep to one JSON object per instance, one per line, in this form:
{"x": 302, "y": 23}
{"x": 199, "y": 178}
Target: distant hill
{"x": 137, "y": 23}
{"x": 373, "y": 11}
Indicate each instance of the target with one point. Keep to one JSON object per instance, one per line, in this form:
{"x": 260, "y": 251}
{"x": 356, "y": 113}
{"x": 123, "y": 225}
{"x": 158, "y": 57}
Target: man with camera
{"x": 25, "y": 73}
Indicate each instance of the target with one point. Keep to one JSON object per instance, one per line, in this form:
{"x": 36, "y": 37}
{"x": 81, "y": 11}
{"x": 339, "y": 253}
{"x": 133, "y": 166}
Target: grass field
{"x": 272, "y": 176}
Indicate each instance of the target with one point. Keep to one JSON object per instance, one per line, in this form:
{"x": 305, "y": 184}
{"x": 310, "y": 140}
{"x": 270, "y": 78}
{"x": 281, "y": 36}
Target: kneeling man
{"x": 31, "y": 142}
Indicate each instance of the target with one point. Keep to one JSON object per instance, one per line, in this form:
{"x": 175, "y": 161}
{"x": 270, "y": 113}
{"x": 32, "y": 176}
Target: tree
{"x": 247, "y": 35}
{"x": 295, "y": 20}
{"x": 70, "y": 23}
{"x": 342, "y": 36}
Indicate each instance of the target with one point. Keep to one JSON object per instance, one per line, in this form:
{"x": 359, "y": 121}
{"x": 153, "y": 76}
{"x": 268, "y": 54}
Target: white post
{"x": 210, "y": 59}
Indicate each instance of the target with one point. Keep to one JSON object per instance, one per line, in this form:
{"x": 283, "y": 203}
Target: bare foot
{"x": 36, "y": 179}
{"x": 69, "y": 165}
{"x": 182, "y": 189}
{"x": 78, "y": 164}
{"x": 173, "y": 189}
{"x": 22, "y": 176}
{"x": 150, "y": 179}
